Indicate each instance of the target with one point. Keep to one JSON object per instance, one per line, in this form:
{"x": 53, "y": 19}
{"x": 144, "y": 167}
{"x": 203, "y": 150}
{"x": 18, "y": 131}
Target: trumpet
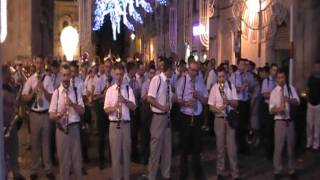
{"x": 119, "y": 110}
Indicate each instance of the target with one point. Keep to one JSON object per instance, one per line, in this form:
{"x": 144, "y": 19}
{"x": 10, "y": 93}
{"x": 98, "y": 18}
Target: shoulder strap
{"x": 76, "y": 92}
{"x": 128, "y": 92}
{"x": 229, "y": 83}
{"x": 159, "y": 84}
{"x": 184, "y": 86}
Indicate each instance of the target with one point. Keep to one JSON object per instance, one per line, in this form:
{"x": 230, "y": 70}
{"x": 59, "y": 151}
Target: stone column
{"x": 85, "y": 25}
{"x": 2, "y": 162}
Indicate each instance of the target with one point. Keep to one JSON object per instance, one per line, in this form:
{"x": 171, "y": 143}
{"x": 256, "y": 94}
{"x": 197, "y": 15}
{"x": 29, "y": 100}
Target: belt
{"x": 161, "y": 114}
{"x": 189, "y": 116}
{"x": 121, "y": 121}
{"x": 40, "y": 112}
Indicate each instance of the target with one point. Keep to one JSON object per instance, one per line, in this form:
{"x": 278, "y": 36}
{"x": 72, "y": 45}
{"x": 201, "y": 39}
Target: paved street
{"x": 253, "y": 167}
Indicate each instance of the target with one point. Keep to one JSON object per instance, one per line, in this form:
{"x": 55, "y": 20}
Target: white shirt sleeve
{"x": 234, "y": 92}
{"x": 181, "y": 83}
{"x": 294, "y": 93}
{"x": 264, "y": 88}
{"x": 107, "y": 99}
{"x": 204, "y": 90}
{"x": 27, "y": 87}
{"x": 211, "y": 80}
{"x": 153, "y": 87}
{"x": 48, "y": 84}
{"x": 131, "y": 96}
{"x": 80, "y": 100}
{"x": 212, "y": 97}
{"x": 97, "y": 85}
{"x": 54, "y": 100}
{"x": 273, "y": 97}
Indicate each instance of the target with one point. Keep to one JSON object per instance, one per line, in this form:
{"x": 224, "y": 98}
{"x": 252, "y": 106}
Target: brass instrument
{"x": 119, "y": 110}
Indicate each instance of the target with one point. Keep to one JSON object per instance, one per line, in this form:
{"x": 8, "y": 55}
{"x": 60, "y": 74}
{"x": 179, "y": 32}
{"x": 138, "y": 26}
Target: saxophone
{"x": 223, "y": 95}
{"x": 119, "y": 110}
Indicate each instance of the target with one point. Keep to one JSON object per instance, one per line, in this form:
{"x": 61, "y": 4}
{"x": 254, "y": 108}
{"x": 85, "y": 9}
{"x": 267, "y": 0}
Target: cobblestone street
{"x": 252, "y": 167}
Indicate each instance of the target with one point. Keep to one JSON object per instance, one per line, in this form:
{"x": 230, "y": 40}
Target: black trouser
{"x": 146, "y": 116}
{"x": 244, "y": 113}
{"x": 84, "y": 134}
{"x": 190, "y": 142}
{"x": 102, "y": 123}
{"x": 135, "y": 123}
{"x": 267, "y": 130}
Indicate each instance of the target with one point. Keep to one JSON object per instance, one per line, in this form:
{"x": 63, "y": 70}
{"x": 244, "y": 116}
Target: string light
{"x": 118, "y": 11}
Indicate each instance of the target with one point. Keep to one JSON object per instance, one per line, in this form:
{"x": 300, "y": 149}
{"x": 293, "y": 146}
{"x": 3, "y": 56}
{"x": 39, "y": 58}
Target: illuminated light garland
{"x": 118, "y": 10}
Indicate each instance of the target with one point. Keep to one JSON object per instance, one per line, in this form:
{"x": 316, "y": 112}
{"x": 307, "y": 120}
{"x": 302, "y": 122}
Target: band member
{"x": 146, "y": 115}
{"x": 37, "y": 91}
{"x": 55, "y": 75}
{"x": 192, "y": 94}
{"x": 267, "y": 120}
{"x": 103, "y": 82}
{"x": 130, "y": 78}
{"x": 313, "y": 118}
{"x": 11, "y": 143}
{"x": 210, "y": 77}
{"x": 160, "y": 97}
{"x": 66, "y": 107}
{"x": 141, "y": 75}
{"x": 282, "y": 98}
{"x": 241, "y": 81}
{"x": 222, "y": 99}
{"x": 118, "y": 101}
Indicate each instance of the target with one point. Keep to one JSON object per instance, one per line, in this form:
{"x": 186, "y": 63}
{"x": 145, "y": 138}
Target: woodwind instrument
{"x": 284, "y": 103}
{"x": 119, "y": 110}
{"x": 64, "y": 121}
{"x": 223, "y": 95}
{"x": 38, "y": 101}
{"x": 194, "y": 108}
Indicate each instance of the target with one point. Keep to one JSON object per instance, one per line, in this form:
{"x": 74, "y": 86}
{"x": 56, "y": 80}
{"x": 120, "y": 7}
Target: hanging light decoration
{"x": 118, "y": 10}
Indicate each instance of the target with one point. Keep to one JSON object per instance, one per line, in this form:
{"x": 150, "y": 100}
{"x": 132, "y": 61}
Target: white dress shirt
{"x": 211, "y": 79}
{"x": 111, "y": 99}
{"x": 31, "y": 84}
{"x": 159, "y": 82}
{"x": 216, "y": 99}
{"x": 268, "y": 85}
{"x": 185, "y": 92}
{"x": 57, "y": 104}
{"x": 276, "y": 99}
{"x": 89, "y": 84}
{"x": 103, "y": 82}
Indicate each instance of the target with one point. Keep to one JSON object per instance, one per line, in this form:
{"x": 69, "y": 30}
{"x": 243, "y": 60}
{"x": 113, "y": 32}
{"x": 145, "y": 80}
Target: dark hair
{"x": 181, "y": 62}
{"x": 119, "y": 66}
{"x": 273, "y": 65}
{"x": 151, "y": 66}
{"x": 74, "y": 64}
{"x": 55, "y": 63}
{"x": 65, "y": 66}
{"x": 130, "y": 65}
{"x": 282, "y": 71}
{"x": 192, "y": 61}
{"x": 167, "y": 65}
{"x": 234, "y": 68}
{"x": 220, "y": 69}
{"x": 191, "y": 57}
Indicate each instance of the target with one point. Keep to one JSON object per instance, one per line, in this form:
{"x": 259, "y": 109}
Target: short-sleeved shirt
{"x": 111, "y": 99}
{"x": 102, "y": 83}
{"x": 145, "y": 88}
{"x": 57, "y": 104}
{"x": 78, "y": 83}
{"x": 158, "y": 89}
{"x": 238, "y": 79}
{"x": 89, "y": 84}
{"x": 276, "y": 99}
{"x": 216, "y": 99}
{"x": 185, "y": 92}
{"x": 268, "y": 85}
{"x": 32, "y": 83}
{"x": 211, "y": 79}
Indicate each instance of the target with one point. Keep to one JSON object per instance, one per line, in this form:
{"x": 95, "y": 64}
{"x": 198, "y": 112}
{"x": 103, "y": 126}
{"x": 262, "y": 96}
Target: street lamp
{"x": 133, "y": 36}
{"x": 69, "y": 40}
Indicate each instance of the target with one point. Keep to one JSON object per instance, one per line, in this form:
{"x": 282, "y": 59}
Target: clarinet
{"x": 223, "y": 95}
{"x": 64, "y": 122}
{"x": 119, "y": 110}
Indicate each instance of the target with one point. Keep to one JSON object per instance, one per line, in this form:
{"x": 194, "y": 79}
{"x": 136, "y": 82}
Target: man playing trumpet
{"x": 66, "y": 107}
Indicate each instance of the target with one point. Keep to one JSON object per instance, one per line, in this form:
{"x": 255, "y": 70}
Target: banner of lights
{"x": 118, "y": 10}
